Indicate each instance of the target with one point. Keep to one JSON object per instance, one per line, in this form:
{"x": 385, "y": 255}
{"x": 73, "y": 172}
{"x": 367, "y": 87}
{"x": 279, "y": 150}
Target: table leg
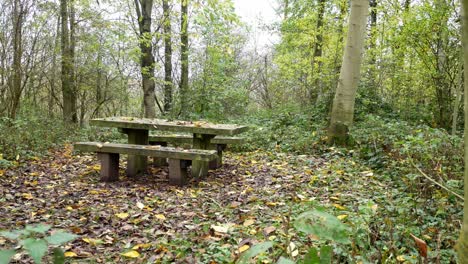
{"x": 200, "y": 168}
{"x": 137, "y": 164}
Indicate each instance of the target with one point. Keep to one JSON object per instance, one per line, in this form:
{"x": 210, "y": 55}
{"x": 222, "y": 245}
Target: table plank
{"x": 165, "y": 125}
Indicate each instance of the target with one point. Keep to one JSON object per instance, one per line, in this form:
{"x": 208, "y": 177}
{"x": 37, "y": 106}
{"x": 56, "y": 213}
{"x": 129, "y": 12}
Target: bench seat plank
{"x": 188, "y": 139}
{"x": 146, "y": 150}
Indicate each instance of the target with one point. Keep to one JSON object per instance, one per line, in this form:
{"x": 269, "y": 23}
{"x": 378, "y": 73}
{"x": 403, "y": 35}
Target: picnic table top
{"x": 196, "y": 127}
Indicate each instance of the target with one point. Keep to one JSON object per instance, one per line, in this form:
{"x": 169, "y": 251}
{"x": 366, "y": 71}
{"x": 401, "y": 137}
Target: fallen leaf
{"x": 27, "y": 196}
{"x": 122, "y": 215}
{"x": 222, "y": 228}
{"x": 142, "y": 246}
{"x": 140, "y": 205}
{"x": 70, "y": 254}
{"x": 268, "y": 230}
{"x": 160, "y": 217}
{"x": 339, "y": 206}
{"x": 131, "y": 254}
{"x": 249, "y": 222}
{"x": 243, "y": 248}
{"x": 341, "y": 217}
{"x": 422, "y": 246}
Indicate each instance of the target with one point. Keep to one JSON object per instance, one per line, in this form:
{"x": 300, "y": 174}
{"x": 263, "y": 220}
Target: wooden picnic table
{"x": 137, "y": 130}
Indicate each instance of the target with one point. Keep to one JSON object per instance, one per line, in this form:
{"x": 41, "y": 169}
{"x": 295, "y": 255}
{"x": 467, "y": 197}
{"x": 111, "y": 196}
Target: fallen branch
{"x": 436, "y": 183}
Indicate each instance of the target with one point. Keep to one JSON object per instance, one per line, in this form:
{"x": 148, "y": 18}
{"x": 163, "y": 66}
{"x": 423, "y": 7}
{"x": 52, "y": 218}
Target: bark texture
{"x": 462, "y": 245}
{"x": 69, "y": 109}
{"x": 343, "y": 104}
{"x": 167, "y": 58}
{"x": 143, "y": 10}
{"x": 184, "y": 61}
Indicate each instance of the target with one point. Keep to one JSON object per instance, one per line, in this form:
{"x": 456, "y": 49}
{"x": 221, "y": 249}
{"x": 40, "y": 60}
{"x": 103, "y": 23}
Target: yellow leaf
{"x": 143, "y": 246}
{"x": 341, "y": 217}
{"x": 339, "y": 206}
{"x": 401, "y": 258}
{"x": 2, "y": 172}
{"x": 131, "y": 254}
{"x": 69, "y": 208}
{"x": 160, "y": 217}
{"x": 243, "y": 248}
{"x": 122, "y": 215}
{"x": 96, "y": 167}
{"x": 70, "y": 254}
{"x": 249, "y": 222}
{"x": 271, "y": 204}
{"x": 27, "y": 196}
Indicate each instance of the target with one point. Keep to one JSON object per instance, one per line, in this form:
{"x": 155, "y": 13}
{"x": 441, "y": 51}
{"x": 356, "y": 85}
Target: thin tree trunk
{"x": 462, "y": 245}
{"x": 318, "y": 52}
{"x": 456, "y": 105}
{"x": 167, "y": 58}
{"x": 99, "y": 97}
{"x": 343, "y": 104}
{"x": 18, "y": 13}
{"x": 144, "y": 9}
{"x": 73, "y": 86}
{"x": 184, "y": 60}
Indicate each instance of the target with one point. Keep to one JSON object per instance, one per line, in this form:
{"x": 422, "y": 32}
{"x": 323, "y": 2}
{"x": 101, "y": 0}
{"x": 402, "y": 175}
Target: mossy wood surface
{"x": 165, "y": 125}
{"x": 144, "y": 150}
{"x": 188, "y": 139}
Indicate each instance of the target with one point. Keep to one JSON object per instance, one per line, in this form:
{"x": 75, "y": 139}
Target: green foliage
{"x": 35, "y": 240}
{"x": 322, "y": 225}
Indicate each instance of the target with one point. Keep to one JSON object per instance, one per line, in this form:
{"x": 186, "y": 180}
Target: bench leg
{"x": 199, "y": 167}
{"x": 218, "y": 162}
{"x": 109, "y": 166}
{"x": 137, "y": 164}
{"x": 177, "y": 172}
{"x": 159, "y": 162}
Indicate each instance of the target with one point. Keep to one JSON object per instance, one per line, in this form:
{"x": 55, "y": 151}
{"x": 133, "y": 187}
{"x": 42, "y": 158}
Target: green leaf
{"x": 283, "y": 260}
{"x": 326, "y": 254}
{"x": 6, "y": 255}
{"x": 36, "y": 248}
{"x": 59, "y": 256}
{"x": 10, "y": 235}
{"x": 59, "y": 238}
{"x": 312, "y": 256}
{"x": 254, "y": 251}
{"x": 323, "y": 225}
{"x": 40, "y": 228}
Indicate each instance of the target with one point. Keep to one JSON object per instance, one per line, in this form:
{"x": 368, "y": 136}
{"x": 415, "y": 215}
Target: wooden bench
{"x": 179, "y": 159}
{"x": 218, "y": 143}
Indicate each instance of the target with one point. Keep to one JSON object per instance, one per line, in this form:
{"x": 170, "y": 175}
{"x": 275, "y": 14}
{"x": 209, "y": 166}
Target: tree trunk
{"x": 167, "y": 58}
{"x": 143, "y": 10}
{"x": 184, "y": 60}
{"x": 16, "y": 89}
{"x": 67, "y": 93}
{"x": 318, "y": 52}
{"x": 73, "y": 86}
{"x": 462, "y": 245}
{"x": 343, "y": 104}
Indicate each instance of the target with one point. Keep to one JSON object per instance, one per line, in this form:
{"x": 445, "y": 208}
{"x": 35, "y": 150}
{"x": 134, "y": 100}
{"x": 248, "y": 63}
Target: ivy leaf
{"x": 59, "y": 238}
{"x": 6, "y": 255}
{"x": 254, "y": 251}
{"x": 36, "y": 248}
{"x": 59, "y": 256}
{"x": 323, "y": 225}
{"x": 40, "y": 228}
{"x": 283, "y": 260}
{"x": 10, "y": 235}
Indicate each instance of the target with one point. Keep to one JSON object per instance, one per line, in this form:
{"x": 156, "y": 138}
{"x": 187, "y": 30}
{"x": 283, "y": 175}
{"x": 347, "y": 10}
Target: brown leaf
{"x": 422, "y": 246}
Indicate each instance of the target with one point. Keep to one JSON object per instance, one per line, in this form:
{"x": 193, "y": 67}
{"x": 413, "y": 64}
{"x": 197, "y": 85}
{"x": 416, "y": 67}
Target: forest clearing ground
{"x": 248, "y": 200}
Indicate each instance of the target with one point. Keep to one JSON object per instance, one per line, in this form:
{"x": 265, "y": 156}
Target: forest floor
{"x": 252, "y": 198}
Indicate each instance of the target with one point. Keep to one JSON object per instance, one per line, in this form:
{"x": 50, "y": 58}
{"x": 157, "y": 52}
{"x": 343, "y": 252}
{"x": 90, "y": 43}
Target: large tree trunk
{"x": 143, "y": 10}
{"x": 16, "y": 89}
{"x": 184, "y": 61}
{"x": 343, "y": 104}
{"x": 462, "y": 245}
{"x": 69, "y": 115}
{"x": 167, "y": 58}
